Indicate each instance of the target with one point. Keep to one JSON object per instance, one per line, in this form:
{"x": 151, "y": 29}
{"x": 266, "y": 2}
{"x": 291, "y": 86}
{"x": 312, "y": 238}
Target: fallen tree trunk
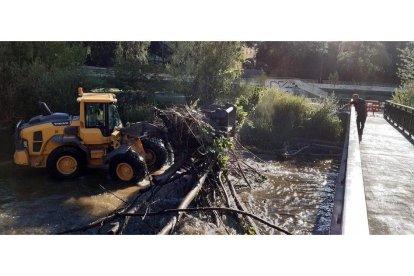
{"x": 170, "y": 172}
{"x": 210, "y": 209}
{"x": 184, "y": 204}
{"x": 239, "y": 204}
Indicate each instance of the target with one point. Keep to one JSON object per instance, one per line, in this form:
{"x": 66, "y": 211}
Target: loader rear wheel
{"x": 66, "y": 163}
{"x": 128, "y": 167}
{"x": 156, "y": 155}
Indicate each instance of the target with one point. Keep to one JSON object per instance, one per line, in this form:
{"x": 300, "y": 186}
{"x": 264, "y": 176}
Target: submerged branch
{"x": 184, "y": 204}
{"x": 210, "y": 209}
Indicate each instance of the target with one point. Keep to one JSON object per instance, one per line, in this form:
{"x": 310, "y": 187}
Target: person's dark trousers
{"x": 360, "y": 124}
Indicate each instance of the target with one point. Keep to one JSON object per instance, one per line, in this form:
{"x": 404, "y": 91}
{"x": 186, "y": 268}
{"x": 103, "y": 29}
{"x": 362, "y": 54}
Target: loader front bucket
{"x": 223, "y": 119}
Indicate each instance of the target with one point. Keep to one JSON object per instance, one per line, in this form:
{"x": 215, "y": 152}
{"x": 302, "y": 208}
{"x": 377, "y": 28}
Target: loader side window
{"x": 95, "y": 115}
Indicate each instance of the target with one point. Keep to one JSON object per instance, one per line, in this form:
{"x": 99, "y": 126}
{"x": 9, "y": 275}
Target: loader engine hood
{"x": 52, "y": 118}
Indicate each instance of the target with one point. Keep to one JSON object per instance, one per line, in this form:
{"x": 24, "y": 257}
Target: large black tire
{"x": 66, "y": 162}
{"x": 120, "y": 165}
{"x": 156, "y": 153}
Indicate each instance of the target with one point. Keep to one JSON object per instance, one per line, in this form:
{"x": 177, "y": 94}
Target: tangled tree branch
{"x": 211, "y": 209}
{"x": 194, "y": 179}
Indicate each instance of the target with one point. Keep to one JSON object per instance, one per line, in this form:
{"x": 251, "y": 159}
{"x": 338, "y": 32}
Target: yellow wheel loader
{"x": 66, "y": 144}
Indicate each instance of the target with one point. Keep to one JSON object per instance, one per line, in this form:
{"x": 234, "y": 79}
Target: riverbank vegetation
{"x": 40, "y": 71}
{"x": 203, "y": 72}
{"x": 280, "y": 118}
{"x": 352, "y": 61}
{"x": 405, "y": 94}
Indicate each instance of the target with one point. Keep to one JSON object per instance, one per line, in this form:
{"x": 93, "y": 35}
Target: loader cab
{"x": 98, "y": 117}
{"x": 103, "y": 116}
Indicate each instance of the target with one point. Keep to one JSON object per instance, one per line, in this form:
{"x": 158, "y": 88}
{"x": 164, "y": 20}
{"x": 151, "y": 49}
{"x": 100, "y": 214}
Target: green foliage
{"x": 334, "y": 77}
{"x": 405, "y": 94}
{"x": 38, "y": 71}
{"x": 132, "y": 70}
{"x": 101, "y": 53}
{"x": 132, "y": 51}
{"x": 132, "y": 75}
{"x": 247, "y": 98}
{"x": 405, "y": 69}
{"x": 110, "y": 53}
{"x": 58, "y": 88}
{"x": 136, "y": 113}
{"x": 280, "y": 117}
{"x": 135, "y": 106}
{"x": 354, "y": 61}
{"x": 205, "y": 70}
{"x": 251, "y": 231}
{"x": 322, "y": 122}
{"x": 362, "y": 60}
{"x": 50, "y": 54}
{"x": 289, "y": 59}
{"x": 220, "y": 148}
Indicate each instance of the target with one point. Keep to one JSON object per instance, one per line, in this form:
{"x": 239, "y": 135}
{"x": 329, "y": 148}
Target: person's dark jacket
{"x": 360, "y": 107}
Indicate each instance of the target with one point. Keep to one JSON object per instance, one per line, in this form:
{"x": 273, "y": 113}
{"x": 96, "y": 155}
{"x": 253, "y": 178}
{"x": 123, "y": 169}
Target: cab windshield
{"x": 114, "y": 119}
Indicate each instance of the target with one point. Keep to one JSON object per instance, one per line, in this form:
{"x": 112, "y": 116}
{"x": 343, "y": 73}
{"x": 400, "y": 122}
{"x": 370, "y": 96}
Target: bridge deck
{"x": 387, "y": 159}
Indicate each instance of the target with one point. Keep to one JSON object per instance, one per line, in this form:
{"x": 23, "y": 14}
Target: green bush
{"x": 136, "y": 113}
{"x": 39, "y": 71}
{"x": 405, "y": 94}
{"x": 247, "y": 97}
{"x": 322, "y": 122}
{"x": 130, "y": 75}
{"x": 58, "y": 88}
{"x": 281, "y": 117}
{"x": 134, "y": 106}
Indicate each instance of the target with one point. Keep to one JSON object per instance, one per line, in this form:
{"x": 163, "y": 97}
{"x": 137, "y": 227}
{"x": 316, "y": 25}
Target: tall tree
{"x": 205, "y": 70}
{"x": 364, "y": 61}
{"x": 108, "y": 53}
{"x": 26, "y": 68}
{"x": 405, "y": 69}
{"x": 292, "y": 59}
{"x": 354, "y": 61}
{"x": 405, "y": 94}
{"x": 132, "y": 51}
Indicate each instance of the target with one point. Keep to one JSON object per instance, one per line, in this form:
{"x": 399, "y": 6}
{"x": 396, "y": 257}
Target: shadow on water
{"x": 31, "y": 202}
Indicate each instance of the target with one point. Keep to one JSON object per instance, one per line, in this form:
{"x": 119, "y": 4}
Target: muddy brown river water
{"x": 298, "y": 196}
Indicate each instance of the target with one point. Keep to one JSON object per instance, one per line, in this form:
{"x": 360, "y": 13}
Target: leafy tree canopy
{"x": 204, "y": 70}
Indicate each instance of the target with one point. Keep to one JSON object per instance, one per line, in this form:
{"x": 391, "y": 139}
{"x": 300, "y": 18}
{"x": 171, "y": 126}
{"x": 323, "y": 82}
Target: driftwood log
{"x": 184, "y": 204}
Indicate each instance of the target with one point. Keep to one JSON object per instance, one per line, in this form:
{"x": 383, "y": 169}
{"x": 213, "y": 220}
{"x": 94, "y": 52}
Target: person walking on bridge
{"x": 361, "y": 110}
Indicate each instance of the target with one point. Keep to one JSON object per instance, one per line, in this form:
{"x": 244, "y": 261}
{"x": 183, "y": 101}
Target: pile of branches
{"x": 200, "y": 183}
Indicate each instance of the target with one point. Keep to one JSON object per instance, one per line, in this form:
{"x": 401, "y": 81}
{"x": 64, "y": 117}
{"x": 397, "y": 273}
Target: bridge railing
{"x": 400, "y": 115}
{"x": 342, "y": 102}
{"x": 350, "y": 212}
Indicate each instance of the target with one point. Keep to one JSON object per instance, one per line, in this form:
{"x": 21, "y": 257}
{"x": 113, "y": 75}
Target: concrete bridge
{"x": 375, "y": 189}
{"x": 313, "y": 89}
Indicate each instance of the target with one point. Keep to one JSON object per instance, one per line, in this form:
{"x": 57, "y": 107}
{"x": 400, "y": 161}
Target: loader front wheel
{"x": 128, "y": 167}
{"x": 65, "y": 163}
{"x": 156, "y": 155}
